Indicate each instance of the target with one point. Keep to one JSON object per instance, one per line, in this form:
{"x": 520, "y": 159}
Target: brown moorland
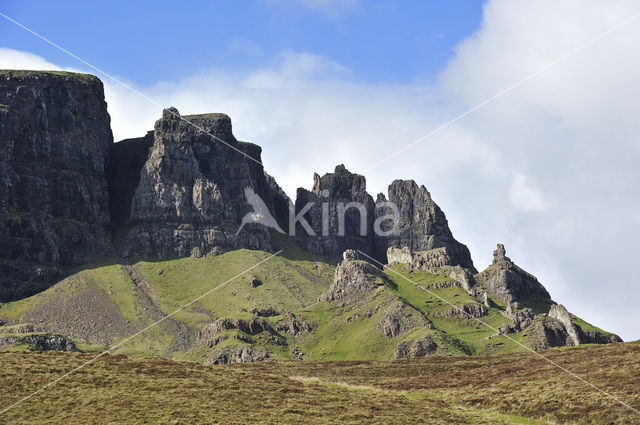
{"x": 498, "y": 389}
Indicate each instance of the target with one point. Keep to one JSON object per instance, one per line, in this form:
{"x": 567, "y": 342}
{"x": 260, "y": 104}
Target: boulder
{"x": 419, "y": 348}
{"x": 396, "y": 320}
{"x": 241, "y": 354}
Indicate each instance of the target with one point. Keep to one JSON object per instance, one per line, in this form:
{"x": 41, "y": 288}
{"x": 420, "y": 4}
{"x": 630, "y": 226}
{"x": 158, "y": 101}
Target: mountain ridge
{"x": 167, "y": 208}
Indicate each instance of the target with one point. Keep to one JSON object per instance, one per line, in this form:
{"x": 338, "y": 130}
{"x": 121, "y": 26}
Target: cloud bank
{"x": 550, "y": 169}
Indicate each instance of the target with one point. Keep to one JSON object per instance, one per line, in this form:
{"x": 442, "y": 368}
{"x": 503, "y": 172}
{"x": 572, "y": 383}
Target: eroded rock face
{"x": 466, "y": 311}
{"x": 436, "y": 261}
{"x": 422, "y": 226}
{"x": 331, "y": 196}
{"x": 242, "y": 354}
{"x": 55, "y": 142}
{"x": 419, "y": 348}
{"x": 509, "y": 283}
{"x": 397, "y": 319}
{"x": 557, "y": 329}
{"x": 547, "y": 333}
{"x": 561, "y": 314}
{"x": 40, "y": 342}
{"x": 190, "y": 199}
{"x": 353, "y": 278}
{"x": 293, "y": 325}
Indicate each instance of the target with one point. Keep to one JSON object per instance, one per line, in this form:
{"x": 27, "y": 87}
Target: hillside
{"x": 293, "y": 306}
{"x": 499, "y": 389}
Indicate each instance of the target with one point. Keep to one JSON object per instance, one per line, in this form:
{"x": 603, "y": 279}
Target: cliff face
{"x": 330, "y": 197}
{"x": 421, "y": 224}
{"x": 55, "y": 140}
{"x": 190, "y": 198}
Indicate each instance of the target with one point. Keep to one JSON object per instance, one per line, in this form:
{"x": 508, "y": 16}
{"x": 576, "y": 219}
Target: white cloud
{"x": 549, "y": 169}
{"x": 525, "y": 195}
{"x": 16, "y": 59}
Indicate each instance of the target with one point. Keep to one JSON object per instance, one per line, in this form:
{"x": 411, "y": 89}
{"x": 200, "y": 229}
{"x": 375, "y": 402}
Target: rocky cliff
{"x": 420, "y": 223}
{"x": 55, "y": 142}
{"x": 190, "y": 198}
{"x": 339, "y": 213}
{"x": 71, "y": 196}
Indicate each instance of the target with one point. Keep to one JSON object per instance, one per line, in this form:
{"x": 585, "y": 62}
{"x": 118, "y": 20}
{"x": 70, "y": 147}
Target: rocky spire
{"x": 423, "y": 225}
{"x": 500, "y": 254}
{"x": 511, "y": 284}
{"x": 329, "y": 193}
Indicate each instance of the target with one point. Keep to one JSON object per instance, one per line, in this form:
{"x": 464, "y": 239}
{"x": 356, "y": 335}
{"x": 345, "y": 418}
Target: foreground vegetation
{"x": 515, "y": 388}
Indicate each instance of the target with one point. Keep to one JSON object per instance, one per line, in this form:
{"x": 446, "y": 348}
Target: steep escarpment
{"x": 55, "y": 142}
{"x": 422, "y": 225}
{"x": 71, "y": 196}
{"x": 128, "y": 157}
{"x": 189, "y": 188}
{"x": 191, "y": 196}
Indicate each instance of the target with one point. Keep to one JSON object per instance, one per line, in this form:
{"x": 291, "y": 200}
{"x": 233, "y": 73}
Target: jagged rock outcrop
{"x": 413, "y": 349}
{"x": 521, "y": 319}
{"x": 397, "y": 320}
{"x": 242, "y": 354}
{"x": 545, "y": 333}
{"x": 264, "y": 311}
{"x": 55, "y": 141}
{"x": 422, "y": 225}
{"x": 293, "y": 325}
{"x": 465, "y": 311}
{"x": 71, "y": 196}
{"x": 561, "y": 314}
{"x": 353, "y": 278}
{"x": 509, "y": 283}
{"x": 419, "y": 223}
{"x": 558, "y": 329}
{"x": 39, "y": 342}
{"x": 249, "y": 327}
{"x": 191, "y": 196}
{"x": 339, "y": 213}
{"x": 435, "y": 261}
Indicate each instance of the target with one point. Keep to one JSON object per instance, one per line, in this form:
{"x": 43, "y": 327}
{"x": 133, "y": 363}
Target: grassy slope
{"x": 517, "y": 388}
{"x": 292, "y": 282}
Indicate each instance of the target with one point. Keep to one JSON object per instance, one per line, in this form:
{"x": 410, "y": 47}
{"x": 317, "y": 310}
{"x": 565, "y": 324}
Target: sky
{"x": 542, "y": 156}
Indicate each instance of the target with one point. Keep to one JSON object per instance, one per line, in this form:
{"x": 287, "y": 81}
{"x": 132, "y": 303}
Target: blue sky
{"x": 379, "y": 41}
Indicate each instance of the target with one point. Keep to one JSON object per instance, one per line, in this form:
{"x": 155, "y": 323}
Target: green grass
{"x": 83, "y": 78}
{"x": 291, "y": 282}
